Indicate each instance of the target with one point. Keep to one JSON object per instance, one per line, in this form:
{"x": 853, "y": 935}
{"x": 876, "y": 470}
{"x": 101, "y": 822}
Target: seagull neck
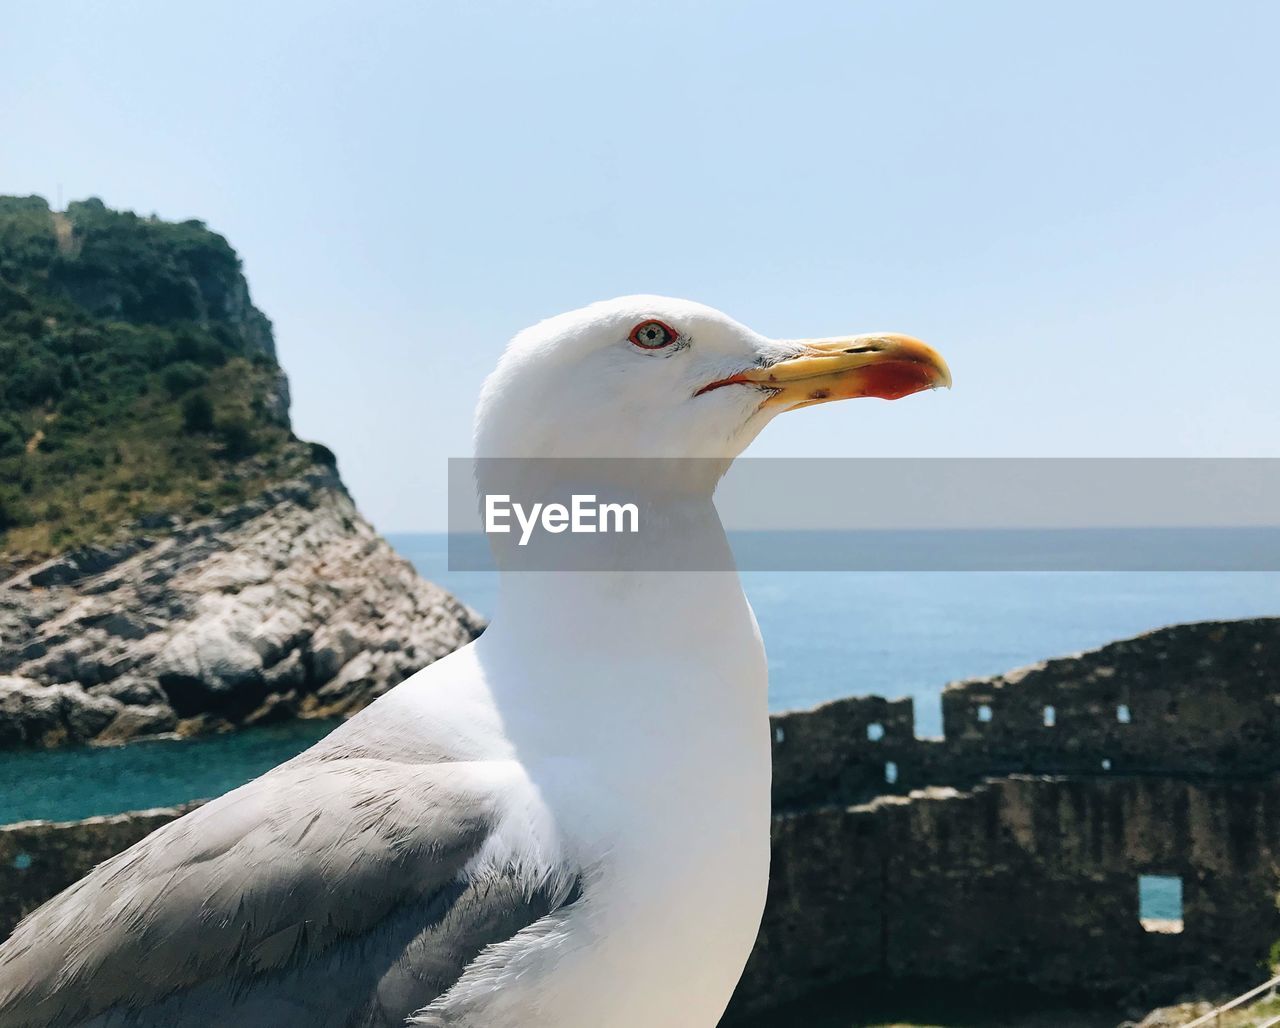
{"x": 630, "y": 653}
{"x": 672, "y": 598}
{"x": 622, "y": 605}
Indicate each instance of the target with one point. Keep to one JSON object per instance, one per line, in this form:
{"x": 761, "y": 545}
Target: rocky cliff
{"x": 287, "y": 606}
{"x": 172, "y": 557}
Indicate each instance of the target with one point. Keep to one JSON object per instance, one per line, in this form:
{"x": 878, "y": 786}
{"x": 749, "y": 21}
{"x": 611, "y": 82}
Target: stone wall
{"x": 1010, "y": 850}
{"x": 1190, "y": 700}
{"x": 39, "y": 859}
{"x": 1024, "y": 880}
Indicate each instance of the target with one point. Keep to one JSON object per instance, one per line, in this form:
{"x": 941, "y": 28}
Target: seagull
{"x": 564, "y": 824}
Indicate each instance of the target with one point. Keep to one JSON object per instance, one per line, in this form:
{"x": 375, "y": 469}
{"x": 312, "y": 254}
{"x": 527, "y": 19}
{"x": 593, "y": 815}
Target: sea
{"x": 828, "y": 635}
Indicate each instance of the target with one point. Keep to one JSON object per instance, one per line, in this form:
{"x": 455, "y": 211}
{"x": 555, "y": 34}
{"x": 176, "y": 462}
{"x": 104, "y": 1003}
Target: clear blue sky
{"x": 1078, "y": 204}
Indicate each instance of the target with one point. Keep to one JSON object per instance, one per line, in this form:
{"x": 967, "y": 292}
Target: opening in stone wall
{"x": 1050, "y": 717}
{"x": 890, "y": 772}
{"x": 875, "y": 731}
{"x": 1122, "y": 714}
{"x": 1160, "y": 903}
{"x": 985, "y": 713}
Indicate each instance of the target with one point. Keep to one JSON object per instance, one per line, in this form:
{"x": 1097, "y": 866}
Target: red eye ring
{"x": 653, "y": 334}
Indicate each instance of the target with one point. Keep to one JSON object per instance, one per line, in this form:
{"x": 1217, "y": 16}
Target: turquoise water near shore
{"x": 828, "y": 635}
{"x": 67, "y": 784}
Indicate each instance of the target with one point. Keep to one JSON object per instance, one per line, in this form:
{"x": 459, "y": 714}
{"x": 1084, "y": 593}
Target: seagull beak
{"x": 884, "y": 365}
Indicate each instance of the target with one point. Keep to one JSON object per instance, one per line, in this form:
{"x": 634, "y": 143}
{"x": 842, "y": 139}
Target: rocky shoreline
{"x": 287, "y": 606}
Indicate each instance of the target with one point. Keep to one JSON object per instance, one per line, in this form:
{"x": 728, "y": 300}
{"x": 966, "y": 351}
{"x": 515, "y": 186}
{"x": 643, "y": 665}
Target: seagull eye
{"x": 653, "y": 335}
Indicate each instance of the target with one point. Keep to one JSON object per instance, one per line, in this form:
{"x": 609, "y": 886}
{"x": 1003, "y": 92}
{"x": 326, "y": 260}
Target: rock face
{"x": 130, "y": 284}
{"x": 287, "y": 606}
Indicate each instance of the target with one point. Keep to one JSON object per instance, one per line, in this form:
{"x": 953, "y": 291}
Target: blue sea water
{"x": 908, "y": 633}
{"x": 828, "y": 635}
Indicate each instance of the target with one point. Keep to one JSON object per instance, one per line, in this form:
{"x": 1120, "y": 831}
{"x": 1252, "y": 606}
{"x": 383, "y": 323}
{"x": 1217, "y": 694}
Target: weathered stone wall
{"x": 1010, "y": 850}
{"x": 1027, "y": 880}
{"x": 38, "y": 859}
{"x": 1190, "y": 700}
{"x": 827, "y": 755}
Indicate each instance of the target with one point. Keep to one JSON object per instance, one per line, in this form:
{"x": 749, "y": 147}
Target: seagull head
{"x": 656, "y": 377}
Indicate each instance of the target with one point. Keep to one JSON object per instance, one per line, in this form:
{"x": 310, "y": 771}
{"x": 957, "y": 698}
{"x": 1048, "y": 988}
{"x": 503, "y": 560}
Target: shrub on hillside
{"x": 197, "y": 413}
{"x": 321, "y": 454}
{"x": 183, "y": 377}
{"x": 236, "y": 436}
{"x": 12, "y": 439}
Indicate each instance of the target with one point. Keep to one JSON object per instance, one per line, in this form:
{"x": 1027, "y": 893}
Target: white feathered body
{"x": 629, "y": 741}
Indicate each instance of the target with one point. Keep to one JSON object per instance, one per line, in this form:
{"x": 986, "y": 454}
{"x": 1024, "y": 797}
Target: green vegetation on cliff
{"x": 136, "y": 377}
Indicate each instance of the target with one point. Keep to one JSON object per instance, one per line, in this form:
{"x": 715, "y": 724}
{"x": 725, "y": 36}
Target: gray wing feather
{"x": 323, "y": 893}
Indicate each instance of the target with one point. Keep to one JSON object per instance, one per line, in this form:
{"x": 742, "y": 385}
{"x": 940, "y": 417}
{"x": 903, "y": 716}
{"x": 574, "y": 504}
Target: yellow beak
{"x": 884, "y": 365}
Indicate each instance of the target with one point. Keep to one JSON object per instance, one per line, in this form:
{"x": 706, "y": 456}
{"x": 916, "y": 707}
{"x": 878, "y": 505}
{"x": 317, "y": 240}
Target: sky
{"x": 1077, "y": 204}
